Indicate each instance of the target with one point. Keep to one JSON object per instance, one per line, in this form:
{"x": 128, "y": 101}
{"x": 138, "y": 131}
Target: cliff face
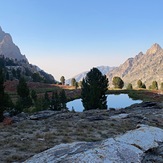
{"x": 8, "y": 49}
{"x": 146, "y": 67}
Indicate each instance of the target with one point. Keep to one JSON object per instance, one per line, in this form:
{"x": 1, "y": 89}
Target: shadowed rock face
{"x": 146, "y": 67}
{"x": 129, "y": 147}
{"x": 8, "y": 48}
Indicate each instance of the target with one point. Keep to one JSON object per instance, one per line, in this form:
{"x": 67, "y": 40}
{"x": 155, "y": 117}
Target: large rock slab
{"x": 129, "y": 147}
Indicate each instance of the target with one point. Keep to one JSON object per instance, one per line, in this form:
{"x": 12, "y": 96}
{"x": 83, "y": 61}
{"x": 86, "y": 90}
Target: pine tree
{"x": 24, "y": 100}
{"x": 46, "y": 100}
{"x": 5, "y": 100}
{"x": 94, "y": 87}
{"x": 62, "y": 80}
{"x": 34, "y": 95}
{"x": 76, "y": 85}
{"x": 55, "y": 102}
{"x": 63, "y": 99}
{"x": 118, "y": 82}
{"x": 73, "y": 82}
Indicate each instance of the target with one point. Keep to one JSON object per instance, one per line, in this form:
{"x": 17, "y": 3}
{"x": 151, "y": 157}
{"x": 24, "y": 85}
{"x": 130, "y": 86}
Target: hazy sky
{"x": 66, "y": 37}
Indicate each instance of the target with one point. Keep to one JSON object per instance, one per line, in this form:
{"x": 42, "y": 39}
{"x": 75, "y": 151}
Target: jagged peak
{"x": 154, "y": 48}
{"x": 140, "y": 53}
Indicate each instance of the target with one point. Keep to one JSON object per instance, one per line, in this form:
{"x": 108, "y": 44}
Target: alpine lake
{"x": 113, "y": 101}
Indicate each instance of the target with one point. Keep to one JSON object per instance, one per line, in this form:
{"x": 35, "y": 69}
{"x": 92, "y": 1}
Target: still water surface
{"x": 113, "y": 101}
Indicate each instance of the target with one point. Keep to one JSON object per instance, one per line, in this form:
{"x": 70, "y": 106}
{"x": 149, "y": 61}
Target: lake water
{"x": 113, "y": 101}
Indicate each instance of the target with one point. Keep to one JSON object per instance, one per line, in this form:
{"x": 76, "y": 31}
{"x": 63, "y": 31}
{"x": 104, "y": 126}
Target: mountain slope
{"x": 8, "y": 48}
{"x": 15, "y": 64}
{"x": 104, "y": 70}
{"x": 146, "y": 67}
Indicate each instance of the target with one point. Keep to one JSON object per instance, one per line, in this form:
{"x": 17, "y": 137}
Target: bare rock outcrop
{"x": 129, "y": 147}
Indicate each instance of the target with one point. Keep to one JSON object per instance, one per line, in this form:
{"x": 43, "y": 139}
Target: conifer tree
{"x": 155, "y": 85}
{"x": 73, "y": 82}
{"x": 63, "y": 99}
{"x": 46, "y": 100}
{"x": 55, "y": 102}
{"x": 129, "y": 87}
{"x": 118, "y": 82}
{"x": 139, "y": 83}
{"x": 62, "y": 80}
{"x": 24, "y": 100}
{"x": 94, "y": 87}
{"x": 5, "y": 100}
{"x": 34, "y": 95}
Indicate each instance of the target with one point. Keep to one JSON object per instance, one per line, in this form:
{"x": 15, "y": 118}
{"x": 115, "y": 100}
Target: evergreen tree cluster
{"x": 29, "y": 98}
{"x": 5, "y": 100}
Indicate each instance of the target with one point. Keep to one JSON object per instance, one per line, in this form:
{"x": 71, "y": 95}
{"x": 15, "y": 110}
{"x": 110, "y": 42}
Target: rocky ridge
{"x": 146, "y": 67}
{"x": 8, "y": 49}
{"x": 16, "y": 64}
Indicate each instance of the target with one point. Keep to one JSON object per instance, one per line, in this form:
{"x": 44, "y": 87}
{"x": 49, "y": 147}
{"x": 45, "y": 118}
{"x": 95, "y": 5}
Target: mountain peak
{"x": 154, "y": 48}
{"x": 8, "y": 49}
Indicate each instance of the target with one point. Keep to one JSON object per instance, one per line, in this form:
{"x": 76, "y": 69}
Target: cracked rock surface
{"x": 129, "y": 147}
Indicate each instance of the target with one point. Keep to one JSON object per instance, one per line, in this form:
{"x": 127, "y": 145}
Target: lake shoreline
{"x": 116, "y": 101}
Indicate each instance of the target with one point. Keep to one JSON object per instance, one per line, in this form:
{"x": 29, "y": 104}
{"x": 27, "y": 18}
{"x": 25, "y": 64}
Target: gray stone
{"x": 129, "y": 147}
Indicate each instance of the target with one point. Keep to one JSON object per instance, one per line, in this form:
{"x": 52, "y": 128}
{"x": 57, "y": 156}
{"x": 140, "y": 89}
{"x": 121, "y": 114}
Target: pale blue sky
{"x": 66, "y": 37}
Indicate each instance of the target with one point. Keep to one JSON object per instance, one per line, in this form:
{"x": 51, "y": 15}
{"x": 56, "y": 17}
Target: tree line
{"x": 93, "y": 93}
{"x": 28, "y": 99}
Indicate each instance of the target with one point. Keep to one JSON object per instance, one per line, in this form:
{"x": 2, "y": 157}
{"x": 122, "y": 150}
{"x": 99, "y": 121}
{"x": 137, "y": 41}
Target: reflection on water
{"x": 113, "y": 101}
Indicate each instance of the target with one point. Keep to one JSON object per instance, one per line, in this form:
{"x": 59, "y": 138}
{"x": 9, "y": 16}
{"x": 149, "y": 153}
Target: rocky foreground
{"x": 129, "y": 147}
{"x": 87, "y": 135}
